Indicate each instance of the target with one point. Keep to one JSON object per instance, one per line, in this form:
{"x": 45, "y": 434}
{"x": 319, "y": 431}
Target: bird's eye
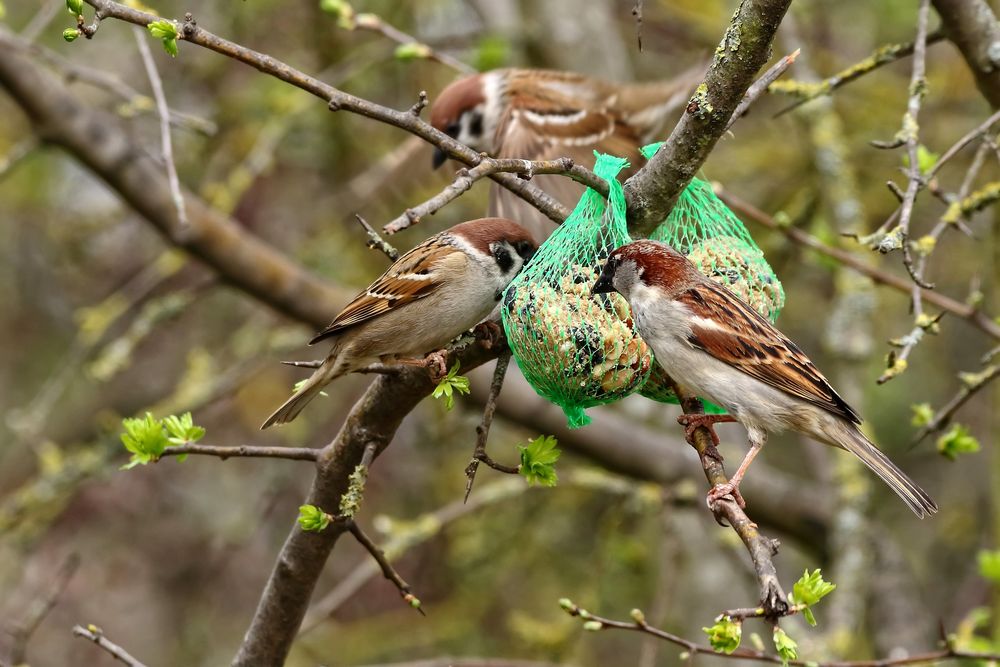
{"x": 452, "y": 129}
{"x": 502, "y": 257}
{"x": 524, "y": 249}
{"x": 476, "y": 123}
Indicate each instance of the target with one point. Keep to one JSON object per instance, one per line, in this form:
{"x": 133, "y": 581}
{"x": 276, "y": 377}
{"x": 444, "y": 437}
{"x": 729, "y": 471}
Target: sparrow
{"x": 714, "y": 345}
{"x": 430, "y": 295}
{"x": 540, "y": 114}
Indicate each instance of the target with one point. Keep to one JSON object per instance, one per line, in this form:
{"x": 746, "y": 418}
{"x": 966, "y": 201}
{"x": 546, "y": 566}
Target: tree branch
{"x": 744, "y": 49}
{"x": 639, "y": 624}
{"x": 336, "y": 99}
{"x": 243, "y": 451}
{"x": 966, "y": 312}
{"x": 972, "y": 26}
{"x": 100, "y": 141}
{"x": 96, "y": 635}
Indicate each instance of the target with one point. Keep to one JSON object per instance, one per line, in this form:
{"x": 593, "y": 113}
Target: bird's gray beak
{"x": 604, "y": 284}
{"x": 439, "y": 157}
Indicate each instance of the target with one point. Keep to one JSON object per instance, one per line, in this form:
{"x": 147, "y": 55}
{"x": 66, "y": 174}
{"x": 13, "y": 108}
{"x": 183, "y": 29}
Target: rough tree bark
{"x": 972, "y": 26}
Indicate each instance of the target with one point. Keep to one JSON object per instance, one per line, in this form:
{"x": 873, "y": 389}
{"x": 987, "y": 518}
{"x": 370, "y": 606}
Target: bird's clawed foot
{"x": 720, "y": 491}
{"x": 694, "y": 421}
{"x": 488, "y": 333}
{"x": 437, "y": 365}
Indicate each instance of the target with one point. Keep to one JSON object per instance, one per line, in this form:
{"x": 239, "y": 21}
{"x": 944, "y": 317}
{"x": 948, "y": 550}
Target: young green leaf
{"x": 182, "y": 429}
{"x": 725, "y": 635}
{"x": 162, "y": 29}
{"x": 74, "y": 7}
{"x": 957, "y": 441}
{"x": 810, "y": 589}
{"x": 922, "y": 414}
{"x": 170, "y": 46}
{"x": 786, "y": 646}
{"x": 145, "y": 438}
{"x": 449, "y": 385}
{"x": 70, "y": 34}
{"x": 313, "y": 519}
{"x": 413, "y": 51}
{"x": 989, "y": 565}
{"x": 538, "y": 460}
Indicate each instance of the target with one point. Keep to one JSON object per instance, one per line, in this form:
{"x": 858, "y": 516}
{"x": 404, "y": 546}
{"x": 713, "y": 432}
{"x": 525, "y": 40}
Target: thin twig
{"x": 336, "y": 99}
{"x": 96, "y": 635}
{"x": 483, "y": 430}
{"x": 637, "y": 13}
{"x": 376, "y": 242}
{"x": 375, "y": 23}
{"x": 760, "y": 548}
{"x": 466, "y": 178}
{"x": 909, "y": 136}
{"x": 962, "y": 310}
{"x": 693, "y": 648}
{"x": 36, "y": 610}
{"x": 388, "y": 571}
{"x": 39, "y": 21}
{"x": 808, "y": 91}
{"x": 943, "y": 416}
{"x": 244, "y": 451}
{"x": 966, "y": 139}
{"x": 760, "y": 86}
{"x": 141, "y": 38}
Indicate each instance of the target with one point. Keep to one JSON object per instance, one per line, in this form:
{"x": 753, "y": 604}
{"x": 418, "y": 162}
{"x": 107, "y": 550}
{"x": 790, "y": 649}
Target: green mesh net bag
{"x": 575, "y": 349}
{"x": 704, "y": 229}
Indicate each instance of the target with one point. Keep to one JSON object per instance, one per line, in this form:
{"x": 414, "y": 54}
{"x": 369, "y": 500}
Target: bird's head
{"x": 469, "y": 111}
{"x": 645, "y": 262}
{"x": 507, "y": 245}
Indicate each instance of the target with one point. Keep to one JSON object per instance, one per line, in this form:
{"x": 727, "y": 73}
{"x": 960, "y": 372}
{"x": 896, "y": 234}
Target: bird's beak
{"x": 604, "y": 282}
{"x": 439, "y": 157}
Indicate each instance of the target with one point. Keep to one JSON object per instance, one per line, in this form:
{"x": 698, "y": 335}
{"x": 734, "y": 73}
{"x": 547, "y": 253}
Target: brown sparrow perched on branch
{"x": 545, "y": 114}
{"x": 433, "y": 293}
{"x": 714, "y": 345}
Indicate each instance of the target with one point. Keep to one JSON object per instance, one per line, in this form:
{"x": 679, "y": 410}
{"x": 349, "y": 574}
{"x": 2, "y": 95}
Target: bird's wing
{"x": 732, "y": 332}
{"x": 548, "y": 134}
{"x": 413, "y": 276}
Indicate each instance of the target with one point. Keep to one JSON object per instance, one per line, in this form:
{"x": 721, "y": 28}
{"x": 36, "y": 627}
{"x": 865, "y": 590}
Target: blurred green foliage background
{"x": 100, "y": 320}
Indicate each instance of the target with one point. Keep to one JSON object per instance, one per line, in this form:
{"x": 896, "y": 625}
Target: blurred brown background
{"x": 99, "y": 320}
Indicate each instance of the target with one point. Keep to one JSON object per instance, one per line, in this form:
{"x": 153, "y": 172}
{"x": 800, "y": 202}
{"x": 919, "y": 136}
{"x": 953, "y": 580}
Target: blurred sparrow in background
{"x": 714, "y": 345}
{"x": 547, "y": 114}
{"x": 432, "y": 294}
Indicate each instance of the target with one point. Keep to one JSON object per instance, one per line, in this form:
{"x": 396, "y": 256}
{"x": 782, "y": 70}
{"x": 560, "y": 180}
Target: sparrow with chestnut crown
{"x": 536, "y": 114}
{"x": 433, "y": 293}
{"x": 714, "y": 345}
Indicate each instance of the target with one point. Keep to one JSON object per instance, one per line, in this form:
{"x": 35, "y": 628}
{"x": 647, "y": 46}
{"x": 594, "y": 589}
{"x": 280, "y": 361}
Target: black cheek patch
{"x": 476, "y": 124}
{"x": 503, "y": 259}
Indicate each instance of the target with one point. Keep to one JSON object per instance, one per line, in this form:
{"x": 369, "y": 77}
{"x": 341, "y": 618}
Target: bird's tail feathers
{"x": 291, "y": 408}
{"x": 915, "y": 497}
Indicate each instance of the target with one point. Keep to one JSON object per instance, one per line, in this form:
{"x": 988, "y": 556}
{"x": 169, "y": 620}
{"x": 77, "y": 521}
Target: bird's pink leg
{"x": 693, "y": 421}
{"x": 436, "y": 364}
{"x": 732, "y": 487}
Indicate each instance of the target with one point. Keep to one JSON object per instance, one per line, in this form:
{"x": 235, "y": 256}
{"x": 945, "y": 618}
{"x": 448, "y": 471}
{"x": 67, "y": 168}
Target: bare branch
{"x": 387, "y": 570}
{"x": 807, "y": 91}
{"x": 375, "y": 23}
{"x": 969, "y": 313}
{"x": 96, "y": 635}
{"x": 376, "y": 242}
{"x": 761, "y": 85}
{"x": 483, "y": 430}
{"x": 971, "y": 385}
{"x": 35, "y": 611}
{"x": 973, "y": 27}
{"x": 653, "y": 190}
{"x": 166, "y": 144}
{"x": 243, "y": 451}
{"x": 639, "y": 624}
{"x": 337, "y": 99}
{"x": 466, "y": 178}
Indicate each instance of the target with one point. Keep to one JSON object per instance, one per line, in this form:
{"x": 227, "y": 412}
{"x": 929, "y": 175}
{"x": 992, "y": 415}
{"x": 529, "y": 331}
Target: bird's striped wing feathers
{"x": 410, "y": 278}
{"x": 732, "y": 332}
